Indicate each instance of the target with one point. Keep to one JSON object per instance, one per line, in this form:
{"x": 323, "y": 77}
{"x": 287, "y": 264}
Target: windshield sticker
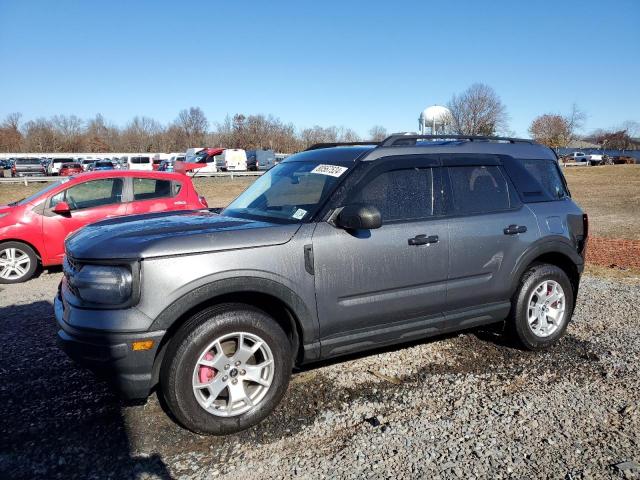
{"x": 331, "y": 170}
{"x": 299, "y": 213}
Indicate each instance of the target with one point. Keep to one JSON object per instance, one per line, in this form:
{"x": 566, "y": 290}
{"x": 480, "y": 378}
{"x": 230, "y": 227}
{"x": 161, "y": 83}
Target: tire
{"x": 529, "y": 301}
{"x": 179, "y": 373}
{"x": 23, "y": 257}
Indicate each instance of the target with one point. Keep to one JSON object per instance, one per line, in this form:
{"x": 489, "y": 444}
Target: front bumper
{"x": 109, "y": 355}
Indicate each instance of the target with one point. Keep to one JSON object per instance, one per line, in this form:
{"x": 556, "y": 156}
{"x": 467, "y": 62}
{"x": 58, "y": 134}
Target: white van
{"x": 142, "y": 162}
{"x": 232, "y": 159}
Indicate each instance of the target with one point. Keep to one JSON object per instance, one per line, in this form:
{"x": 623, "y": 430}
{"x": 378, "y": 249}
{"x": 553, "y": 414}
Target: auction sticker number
{"x": 331, "y": 170}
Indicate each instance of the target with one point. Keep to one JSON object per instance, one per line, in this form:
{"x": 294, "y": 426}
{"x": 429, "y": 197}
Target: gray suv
{"x": 338, "y": 249}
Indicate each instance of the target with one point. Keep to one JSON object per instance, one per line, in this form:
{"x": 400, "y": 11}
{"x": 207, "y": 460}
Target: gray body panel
{"x": 346, "y": 290}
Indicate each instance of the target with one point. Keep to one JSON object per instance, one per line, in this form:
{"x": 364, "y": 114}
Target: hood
{"x": 172, "y": 233}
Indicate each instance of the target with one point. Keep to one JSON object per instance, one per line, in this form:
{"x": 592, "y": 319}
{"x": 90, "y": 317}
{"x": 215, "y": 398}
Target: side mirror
{"x": 359, "y": 217}
{"x": 62, "y": 208}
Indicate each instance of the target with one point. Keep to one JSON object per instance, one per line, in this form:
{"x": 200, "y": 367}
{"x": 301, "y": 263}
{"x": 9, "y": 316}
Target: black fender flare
{"x": 307, "y": 321}
{"x": 557, "y": 244}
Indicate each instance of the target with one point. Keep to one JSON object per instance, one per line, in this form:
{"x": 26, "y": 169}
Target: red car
{"x": 68, "y": 169}
{"x": 32, "y": 230}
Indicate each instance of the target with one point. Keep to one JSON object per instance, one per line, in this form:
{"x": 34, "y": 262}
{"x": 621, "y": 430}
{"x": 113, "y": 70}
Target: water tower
{"x": 434, "y": 120}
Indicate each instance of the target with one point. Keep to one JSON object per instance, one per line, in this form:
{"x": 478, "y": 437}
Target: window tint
{"x": 547, "y": 174}
{"x": 400, "y": 194}
{"x": 140, "y": 160}
{"x": 91, "y": 194}
{"x": 148, "y": 188}
{"x": 478, "y": 189}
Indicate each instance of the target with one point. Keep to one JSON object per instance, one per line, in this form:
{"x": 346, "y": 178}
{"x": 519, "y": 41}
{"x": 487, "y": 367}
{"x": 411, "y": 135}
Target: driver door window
{"x": 95, "y": 193}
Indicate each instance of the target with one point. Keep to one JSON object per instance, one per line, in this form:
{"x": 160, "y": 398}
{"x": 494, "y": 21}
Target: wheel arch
{"x": 29, "y": 244}
{"x": 555, "y": 252}
{"x": 275, "y": 299}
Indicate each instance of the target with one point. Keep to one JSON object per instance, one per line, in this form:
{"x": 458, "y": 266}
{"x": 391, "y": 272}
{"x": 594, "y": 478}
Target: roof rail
{"x": 401, "y": 139}
{"x": 318, "y": 146}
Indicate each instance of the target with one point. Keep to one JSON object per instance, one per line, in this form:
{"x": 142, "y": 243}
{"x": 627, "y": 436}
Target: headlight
{"x": 102, "y": 284}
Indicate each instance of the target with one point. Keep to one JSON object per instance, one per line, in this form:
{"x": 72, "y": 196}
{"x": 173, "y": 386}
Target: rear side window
{"x": 149, "y": 188}
{"x": 400, "y": 194}
{"x": 547, "y": 174}
{"x": 140, "y": 160}
{"x": 478, "y": 189}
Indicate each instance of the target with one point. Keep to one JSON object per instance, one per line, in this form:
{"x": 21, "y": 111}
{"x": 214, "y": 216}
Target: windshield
{"x": 45, "y": 190}
{"x": 288, "y": 193}
{"x": 28, "y": 161}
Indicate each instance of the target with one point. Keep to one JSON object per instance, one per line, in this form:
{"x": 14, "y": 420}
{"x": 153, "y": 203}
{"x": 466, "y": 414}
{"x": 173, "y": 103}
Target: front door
{"x": 90, "y": 202}
{"x": 384, "y": 285}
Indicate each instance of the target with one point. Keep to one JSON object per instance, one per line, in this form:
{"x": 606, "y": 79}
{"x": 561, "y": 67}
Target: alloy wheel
{"x": 14, "y": 263}
{"x": 233, "y": 374}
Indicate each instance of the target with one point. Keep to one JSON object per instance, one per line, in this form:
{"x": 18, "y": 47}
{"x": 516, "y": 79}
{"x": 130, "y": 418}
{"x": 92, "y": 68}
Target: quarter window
{"x": 95, "y": 193}
{"x": 149, "y": 188}
{"x": 478, "y": 189}
{"x": 400, "y": 194}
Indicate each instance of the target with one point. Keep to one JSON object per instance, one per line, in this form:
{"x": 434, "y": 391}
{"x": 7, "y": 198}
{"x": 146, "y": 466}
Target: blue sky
{"x": 353, "y": 64}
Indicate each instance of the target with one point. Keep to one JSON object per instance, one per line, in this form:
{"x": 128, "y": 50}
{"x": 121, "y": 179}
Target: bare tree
{"x": 378, "y": 133}
{"x": 555, "y": 130}
{"x": 10, "y": 135}
{"x": 194, "y": 124}
{"x": 477, "y": 111}
{"x": 551, "y": 130}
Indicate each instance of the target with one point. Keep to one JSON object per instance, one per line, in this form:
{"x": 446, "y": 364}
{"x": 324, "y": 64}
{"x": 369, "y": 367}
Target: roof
{"x": 130, "y": 173}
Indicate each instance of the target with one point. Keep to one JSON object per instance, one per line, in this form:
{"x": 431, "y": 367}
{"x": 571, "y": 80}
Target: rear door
{"x": 89, "y": 201}
{"x": 489, "y": 230}
{"x": 156, "y": 195}
{"x": 384, "y": 285}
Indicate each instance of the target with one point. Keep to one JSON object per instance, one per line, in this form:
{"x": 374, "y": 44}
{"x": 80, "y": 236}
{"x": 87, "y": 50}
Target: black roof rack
{"x": 318, "y": 146}
{"x": 401, "y": 139}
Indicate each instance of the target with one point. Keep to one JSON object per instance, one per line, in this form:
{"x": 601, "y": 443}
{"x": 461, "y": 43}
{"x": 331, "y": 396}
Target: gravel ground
{"x": 461, "y": 406}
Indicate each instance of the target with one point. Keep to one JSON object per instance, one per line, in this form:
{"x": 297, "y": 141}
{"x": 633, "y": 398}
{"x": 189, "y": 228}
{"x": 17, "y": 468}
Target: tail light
{"x": 203, "y": 201}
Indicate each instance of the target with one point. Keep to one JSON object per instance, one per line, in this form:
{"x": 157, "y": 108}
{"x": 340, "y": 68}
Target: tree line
{"x": 476, "y": 111}
{"x": 191, "y": 128}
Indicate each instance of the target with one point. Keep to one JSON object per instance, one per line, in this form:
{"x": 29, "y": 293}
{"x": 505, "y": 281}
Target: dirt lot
{"x": 611, "y": 196}
{"x": 461, "y": 406}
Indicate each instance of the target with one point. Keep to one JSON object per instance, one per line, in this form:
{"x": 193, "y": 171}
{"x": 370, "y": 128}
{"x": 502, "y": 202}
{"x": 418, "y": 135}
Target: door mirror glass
{"x": 359, "y": 217}
{"x": 62, "y": 208}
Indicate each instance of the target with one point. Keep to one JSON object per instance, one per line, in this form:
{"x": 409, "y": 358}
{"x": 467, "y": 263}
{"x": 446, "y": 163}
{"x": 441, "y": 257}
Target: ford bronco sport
{"x": 338, "y": 249}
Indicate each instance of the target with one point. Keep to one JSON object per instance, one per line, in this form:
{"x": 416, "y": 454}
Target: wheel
{"x": 542, "y": 307}
{"x": 18, "y": 262}
{"x": 226, "y": 370}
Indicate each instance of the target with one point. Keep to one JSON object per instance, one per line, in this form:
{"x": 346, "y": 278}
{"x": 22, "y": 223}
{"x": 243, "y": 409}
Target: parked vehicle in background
{"x": 32, "y": 230}
{"x": 25, "y": 167}
{"x": 232, "y": 159}
{"x": 101, "y": 165}
{"x": 577, "y": 157}
{"x": 204, "y": 161}
{"x": 281, "y": 156}
{"x": 191, "y": 153}
{"x": 86, "y": 162}
{"x": 53, "y": 167}
{"x": 142, "y": 162}
{"x": 167, "y": 166}
{"x": 156, "y": 160}
{"x": 596, "y": 159}
{"x": 67, "y": 169}
{"x": 260, "y": 159}
{"x": 424, "y": 236}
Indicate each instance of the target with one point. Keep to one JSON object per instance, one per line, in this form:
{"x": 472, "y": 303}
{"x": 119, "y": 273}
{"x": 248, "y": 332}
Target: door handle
{"x": 423, "y": 240}
{"x": 514, "y": 229}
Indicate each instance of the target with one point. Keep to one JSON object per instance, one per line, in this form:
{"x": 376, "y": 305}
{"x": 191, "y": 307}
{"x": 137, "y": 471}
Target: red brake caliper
{"x": 205, "y": 373}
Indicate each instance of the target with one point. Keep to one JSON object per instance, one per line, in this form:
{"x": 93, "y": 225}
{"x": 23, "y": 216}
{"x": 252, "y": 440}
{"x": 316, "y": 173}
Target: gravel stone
{"x": 466, "y": 405}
